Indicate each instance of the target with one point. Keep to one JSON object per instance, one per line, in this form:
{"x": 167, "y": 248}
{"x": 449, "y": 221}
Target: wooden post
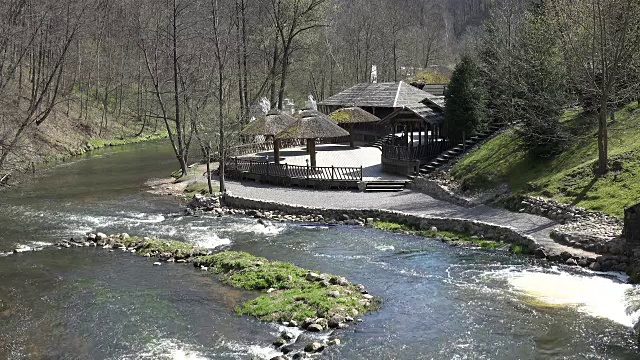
{"x": 420, "y": 134}
{"x": 209, "y": 168}
{"x": 312, "y": 152}
{"x": 361, "y": 173}
{"x": 333, "y": 172}
{"x": 276, "y": 151}
{"x": 307, "y": 169}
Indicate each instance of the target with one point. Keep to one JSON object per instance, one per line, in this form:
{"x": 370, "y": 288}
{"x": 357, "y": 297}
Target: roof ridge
{"x": 395, "y": 101}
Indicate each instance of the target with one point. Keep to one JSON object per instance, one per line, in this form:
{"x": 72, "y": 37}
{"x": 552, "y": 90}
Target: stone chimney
{"x": 631, "y": 230}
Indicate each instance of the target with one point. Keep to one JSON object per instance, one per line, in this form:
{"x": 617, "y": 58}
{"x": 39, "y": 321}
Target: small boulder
{"x": 571, "y": 262}
{"x": 157, "y": 263}
{"x": 314, "y": 328}
{"x": 101, "y": 236}
{"x": 279, "y": 342}
{"x": 540, "y": 253}
{"x": 333, "y": 342}
{"x": 311, "y": 276}
{"x": 314, "y": 347}
{"x": 287, "y": 336}
{"x": 333, "y": 294}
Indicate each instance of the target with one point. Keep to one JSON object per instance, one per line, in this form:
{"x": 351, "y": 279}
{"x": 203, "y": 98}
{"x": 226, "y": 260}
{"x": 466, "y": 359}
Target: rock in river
{"x": 314, "y": 347}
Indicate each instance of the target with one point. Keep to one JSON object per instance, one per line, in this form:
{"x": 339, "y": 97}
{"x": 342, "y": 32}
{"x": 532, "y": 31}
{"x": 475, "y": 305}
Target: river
{"x": 438, "y": 302}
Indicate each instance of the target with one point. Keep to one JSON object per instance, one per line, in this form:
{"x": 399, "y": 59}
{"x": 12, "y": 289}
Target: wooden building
{"x": 412, "y": 122}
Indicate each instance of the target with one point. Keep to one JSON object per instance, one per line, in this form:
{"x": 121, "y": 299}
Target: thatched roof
{"x": 353, "y": 115}
{"x": 313, "y": 124}
{"x": 270, "y": 124}
{"x": 385, "y": 95}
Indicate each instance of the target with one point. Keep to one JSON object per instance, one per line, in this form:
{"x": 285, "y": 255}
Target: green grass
{"x": 100, "y": 143}
{"x": 177, "y": 249}
{"x": 198, "y": 187}
{"x": 294, "y": 298}
{"x": 461, "y": 238}
{"x": 568, "y": 177}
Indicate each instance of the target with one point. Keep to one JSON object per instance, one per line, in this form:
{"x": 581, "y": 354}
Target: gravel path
{"x": 409, "y": 202}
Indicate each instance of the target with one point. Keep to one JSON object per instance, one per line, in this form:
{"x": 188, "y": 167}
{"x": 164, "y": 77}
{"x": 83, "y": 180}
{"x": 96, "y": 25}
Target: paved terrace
{"x": 340, "y": 156}
{"x": 409, "y": 202}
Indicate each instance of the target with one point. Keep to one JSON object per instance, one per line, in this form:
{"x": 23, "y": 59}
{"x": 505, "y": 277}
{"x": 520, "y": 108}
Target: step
{"x": 384, "y": 190}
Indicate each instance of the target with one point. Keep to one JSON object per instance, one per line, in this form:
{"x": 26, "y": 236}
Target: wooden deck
{"x": 287, "y": 175}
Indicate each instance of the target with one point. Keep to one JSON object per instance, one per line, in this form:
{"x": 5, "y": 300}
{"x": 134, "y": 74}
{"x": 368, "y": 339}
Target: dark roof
{"x": 270, "y": 124}
{"x": 313, "y": 124}
{"x": 420, "y": 111}
{"x": 353, "y": 115}
{"x": 388, "y": 95}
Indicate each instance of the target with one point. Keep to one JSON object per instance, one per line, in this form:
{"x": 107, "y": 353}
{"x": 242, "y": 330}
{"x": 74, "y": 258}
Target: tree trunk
{"x": 283, "y": 74}
{"x": 276, "y": 151}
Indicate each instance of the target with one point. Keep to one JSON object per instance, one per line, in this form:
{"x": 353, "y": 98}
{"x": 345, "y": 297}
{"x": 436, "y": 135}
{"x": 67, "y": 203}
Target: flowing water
{"x": 438, "y": 302}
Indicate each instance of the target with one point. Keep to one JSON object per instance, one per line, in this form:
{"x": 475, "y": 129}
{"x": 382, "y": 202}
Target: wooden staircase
{"x": 385, "y": 186}
{"x": 382, "y": 141}
{"x": 455, "y": 152}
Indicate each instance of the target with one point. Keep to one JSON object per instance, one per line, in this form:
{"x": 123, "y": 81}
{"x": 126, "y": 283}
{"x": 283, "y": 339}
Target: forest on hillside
{"x": 193, "y": 65}
{"x": 196, "y": 68}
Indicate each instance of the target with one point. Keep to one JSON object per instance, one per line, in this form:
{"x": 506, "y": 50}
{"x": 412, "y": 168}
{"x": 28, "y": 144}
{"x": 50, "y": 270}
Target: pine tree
{"x": 465, "y": 101}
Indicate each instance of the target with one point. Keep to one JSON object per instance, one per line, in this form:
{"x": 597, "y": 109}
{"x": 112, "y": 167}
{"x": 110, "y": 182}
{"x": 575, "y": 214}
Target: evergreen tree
{"x": 466, "y": 102}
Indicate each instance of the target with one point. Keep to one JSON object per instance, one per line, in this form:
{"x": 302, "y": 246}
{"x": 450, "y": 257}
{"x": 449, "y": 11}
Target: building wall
{"x": 631, "y": 229}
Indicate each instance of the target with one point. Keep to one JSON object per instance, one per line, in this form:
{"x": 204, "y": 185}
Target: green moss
{"x": 293, "y": 296}
{"x": 460, "y": 238}
{"x": 341, "y": 116}
{"x": 198, "y": 187}
{"x": 568, "y": 177}
{"x": 177, "y": 249}
{"x": 429, "y": 77}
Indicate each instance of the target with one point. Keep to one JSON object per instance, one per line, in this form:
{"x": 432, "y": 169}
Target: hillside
{"x": 65, "y": 133}
{"x": 568, "y": 177}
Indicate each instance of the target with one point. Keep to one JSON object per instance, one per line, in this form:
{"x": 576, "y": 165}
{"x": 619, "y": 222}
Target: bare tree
{"x": 601, "y": 39}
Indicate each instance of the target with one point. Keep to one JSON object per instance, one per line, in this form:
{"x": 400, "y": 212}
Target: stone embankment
{"x": 601, "y": 252}
{"x": 277, "y": 211}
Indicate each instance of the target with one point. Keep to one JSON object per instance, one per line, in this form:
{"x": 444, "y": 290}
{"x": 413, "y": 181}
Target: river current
{"x": 439, "y": 302}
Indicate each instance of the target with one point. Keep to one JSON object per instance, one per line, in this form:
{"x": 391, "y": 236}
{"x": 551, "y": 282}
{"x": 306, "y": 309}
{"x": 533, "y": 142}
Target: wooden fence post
{"x": 361, "y": 173}
{"x": 333, "y": 172}
{"x": 307, "y": 169}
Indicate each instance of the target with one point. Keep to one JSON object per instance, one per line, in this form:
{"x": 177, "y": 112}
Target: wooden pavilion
{"x": 412, "y": 126}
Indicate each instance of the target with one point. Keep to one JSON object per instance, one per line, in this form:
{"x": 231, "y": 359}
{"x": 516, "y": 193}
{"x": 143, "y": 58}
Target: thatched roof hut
{"x": 312, "y": 125}
{"x": 269, "y": 125}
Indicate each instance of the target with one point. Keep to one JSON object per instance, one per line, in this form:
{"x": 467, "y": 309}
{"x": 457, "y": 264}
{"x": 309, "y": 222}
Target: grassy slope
{"x": 567, "y": 177}
{"x": 65, "y": 134}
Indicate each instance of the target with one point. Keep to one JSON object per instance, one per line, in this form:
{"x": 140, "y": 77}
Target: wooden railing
{"x": 268, "y": 169}
{"x": 417, "y": 152}
{"x": 254, "y": 148}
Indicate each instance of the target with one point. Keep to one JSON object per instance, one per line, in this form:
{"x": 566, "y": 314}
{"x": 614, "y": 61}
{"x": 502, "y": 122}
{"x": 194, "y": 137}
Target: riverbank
{"x": 292, "y": 296}
{"x": 30, "y": 167}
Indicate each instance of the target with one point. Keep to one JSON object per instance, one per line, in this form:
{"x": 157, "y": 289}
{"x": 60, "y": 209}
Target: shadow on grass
{"x": 584, "y": 192}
